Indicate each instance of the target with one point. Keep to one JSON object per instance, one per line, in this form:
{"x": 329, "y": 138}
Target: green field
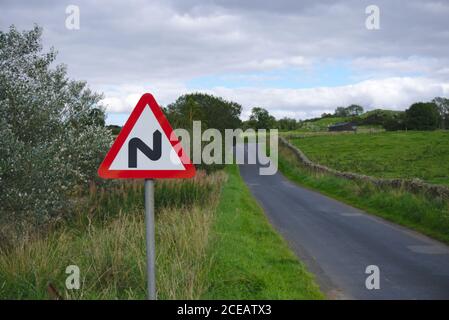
{"x": 423, "y": 155}
{"x": 320, "y": 124}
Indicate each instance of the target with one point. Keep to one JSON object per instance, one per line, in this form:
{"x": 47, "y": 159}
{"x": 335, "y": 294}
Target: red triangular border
{"x": 103, "y": 170}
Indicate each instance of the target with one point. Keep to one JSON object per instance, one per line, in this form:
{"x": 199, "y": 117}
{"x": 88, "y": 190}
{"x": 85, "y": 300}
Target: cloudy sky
{"x": 294, "y": 58}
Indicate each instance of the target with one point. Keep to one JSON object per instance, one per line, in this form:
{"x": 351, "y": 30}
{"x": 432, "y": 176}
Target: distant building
{"x": 342, "y": 126}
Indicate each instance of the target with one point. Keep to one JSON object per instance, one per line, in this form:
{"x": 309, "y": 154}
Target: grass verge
{"x": 250, "y": 260}
{"x": 218, "y": 246}
{"x": 107, "y": 243}
{"x": 418, "y": 212}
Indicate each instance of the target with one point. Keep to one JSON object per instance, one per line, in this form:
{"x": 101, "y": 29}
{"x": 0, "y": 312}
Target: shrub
{"x": 52, "y": 129}
{"x": 423, "y": 116}
{"x": 395, "y": 122}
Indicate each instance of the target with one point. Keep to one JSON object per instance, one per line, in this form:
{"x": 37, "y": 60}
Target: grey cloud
{"x": 163, "y": 44}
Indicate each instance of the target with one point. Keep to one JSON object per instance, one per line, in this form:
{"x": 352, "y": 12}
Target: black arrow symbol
{"x": 136, "y": 144}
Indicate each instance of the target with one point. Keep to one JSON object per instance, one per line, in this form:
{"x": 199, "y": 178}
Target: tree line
{"x": 419, "y": 116}
{"x": 216, "y": 112}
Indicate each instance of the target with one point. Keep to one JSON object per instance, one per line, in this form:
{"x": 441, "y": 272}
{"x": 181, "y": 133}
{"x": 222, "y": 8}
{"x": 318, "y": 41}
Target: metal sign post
{"x": 150, "y": 238}
{"x": 144, "y": 149}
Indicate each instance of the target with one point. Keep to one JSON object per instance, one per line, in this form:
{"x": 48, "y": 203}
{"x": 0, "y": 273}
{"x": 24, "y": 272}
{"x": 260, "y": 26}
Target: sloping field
{"x": 423, "y": 155}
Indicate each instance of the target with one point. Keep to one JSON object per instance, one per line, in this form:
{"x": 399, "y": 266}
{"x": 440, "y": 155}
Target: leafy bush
{"x": 52, "y": 129}
{"x": 423, "y": 116}
{"x": 395, "y": 122}
{"x": 289, "y": 124}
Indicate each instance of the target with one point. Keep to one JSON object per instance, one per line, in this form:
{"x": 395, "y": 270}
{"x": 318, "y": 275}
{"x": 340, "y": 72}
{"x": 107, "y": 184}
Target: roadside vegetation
{"x": 251, "y": 260}
{"x": 427, "y": 215}
{"x": 410, "y": 155}
{"x": 52, "y": 136}
{"x": 107, "y": 242}
{"x": 212, "y": 241}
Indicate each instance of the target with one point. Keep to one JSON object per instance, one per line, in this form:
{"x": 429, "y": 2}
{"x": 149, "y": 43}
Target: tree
{"x": 52, "y": 129}
{"x": 213, "y": 112}
{"x": 341, "y": 112}
{"x": 423, "y": 116}
{"x": 350, "y": 111}
{"x": 354, "y": 110}
{"x": 443, "y": 108}
{"x": 287, "y": 124}
{"x": 260, "y": 118}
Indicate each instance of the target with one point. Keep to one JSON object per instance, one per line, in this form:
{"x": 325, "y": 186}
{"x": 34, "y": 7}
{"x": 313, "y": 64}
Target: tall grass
{"x": 107, "y": 244}
{"x": 128, "y": 195}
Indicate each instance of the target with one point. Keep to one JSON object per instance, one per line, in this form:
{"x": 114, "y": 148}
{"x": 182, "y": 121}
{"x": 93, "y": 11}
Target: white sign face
{"x": 146, "y": 147}
{"x": 143, "y": 137}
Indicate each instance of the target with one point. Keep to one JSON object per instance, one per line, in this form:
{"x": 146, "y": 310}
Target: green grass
{"x": 323, "y": 123}
{"x": 423, "y": 155}
{"x": 251, "y": 261}
{"x": 107, "y": 243}
{"x": 212, "y": 241}
{"x": 429, "y": 216}
{"x": 318, "y": 124}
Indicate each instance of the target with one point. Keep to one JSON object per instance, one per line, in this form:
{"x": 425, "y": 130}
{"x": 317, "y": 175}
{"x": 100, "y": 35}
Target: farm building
{"x": 342, "y": 126}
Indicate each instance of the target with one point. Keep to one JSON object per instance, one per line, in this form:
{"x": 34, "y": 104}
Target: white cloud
{"x": 391, "y": 93}
{"x": 127, "y": 48}
{"x": 396, "y": 93}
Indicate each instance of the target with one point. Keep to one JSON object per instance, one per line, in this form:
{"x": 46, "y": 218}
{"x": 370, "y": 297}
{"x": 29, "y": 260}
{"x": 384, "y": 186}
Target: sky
{"x": 294, "y": 58}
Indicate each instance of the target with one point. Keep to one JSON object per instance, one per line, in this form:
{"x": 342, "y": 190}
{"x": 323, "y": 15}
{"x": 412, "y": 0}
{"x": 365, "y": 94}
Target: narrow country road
{"x": 337, "y": 242}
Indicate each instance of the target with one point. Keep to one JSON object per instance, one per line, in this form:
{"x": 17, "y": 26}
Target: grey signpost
{"x": 150, "y": 238}
{"x": 146, "y": 123}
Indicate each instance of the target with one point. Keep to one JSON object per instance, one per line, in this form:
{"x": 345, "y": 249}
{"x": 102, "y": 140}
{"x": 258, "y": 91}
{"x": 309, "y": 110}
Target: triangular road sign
{"x": 146, "y": 147}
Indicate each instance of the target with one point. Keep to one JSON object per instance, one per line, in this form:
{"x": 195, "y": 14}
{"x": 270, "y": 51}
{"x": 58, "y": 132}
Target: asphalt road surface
{"x": 337, "y": 242}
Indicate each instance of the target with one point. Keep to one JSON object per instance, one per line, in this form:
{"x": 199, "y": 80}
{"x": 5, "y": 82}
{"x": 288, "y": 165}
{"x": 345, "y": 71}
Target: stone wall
{"x": 412, "y": 185}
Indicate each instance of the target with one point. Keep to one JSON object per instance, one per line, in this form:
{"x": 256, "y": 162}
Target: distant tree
{"x": 213, "y": 112}
{"x": 393, "y": 121}
{"x": 287, "y": 124}
{"x": 349, "y": 111}
{"x": 260, "y": 118}
{"x": 443, "y": 108}
{"x": 423, "y": 116}
{"x": 354, "y": 110}
{"x": 115, "y": 129}
{"x": 326, "y": 115}
{"x": 341, "y": 112}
